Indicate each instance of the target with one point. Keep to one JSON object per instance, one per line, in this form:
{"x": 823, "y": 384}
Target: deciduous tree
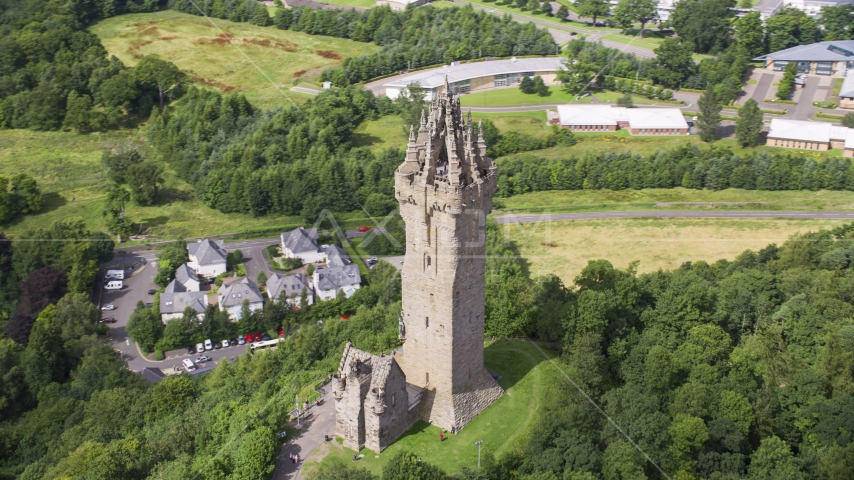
{"x": 749, "y": 124}
{"x": 593, "y": 9}
{"x": 709, "y": 118}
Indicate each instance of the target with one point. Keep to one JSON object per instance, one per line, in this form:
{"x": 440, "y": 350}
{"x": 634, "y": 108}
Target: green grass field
{"x": 648, "y": 41}
{"x": 68, "y": 168}
{"x": 601, "y": 200}
{"x": 526, "y": 371}
{"x": 513, "y": 96}
{"x": 389, "y": 131}
{"x": 612, "y": 97}
{"x": 262, "y": 62}
{"x": 563, "y": 248}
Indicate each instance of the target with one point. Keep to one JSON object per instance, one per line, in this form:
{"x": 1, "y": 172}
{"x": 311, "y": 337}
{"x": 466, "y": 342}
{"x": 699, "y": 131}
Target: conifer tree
{"x": 709, "y": 118}
{"x": 749, "y": 124}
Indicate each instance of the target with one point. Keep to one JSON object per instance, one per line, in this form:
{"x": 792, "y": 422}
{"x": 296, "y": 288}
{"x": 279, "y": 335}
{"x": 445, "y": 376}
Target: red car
{"x": 364, "y": 229}
{"x": 249, "y": 338}
{"x": 281, "y": 332}
{"x": 257, "y": 337}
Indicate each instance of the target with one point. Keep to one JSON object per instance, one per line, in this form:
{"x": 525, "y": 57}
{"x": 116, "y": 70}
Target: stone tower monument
{"x": 445, "y": 187}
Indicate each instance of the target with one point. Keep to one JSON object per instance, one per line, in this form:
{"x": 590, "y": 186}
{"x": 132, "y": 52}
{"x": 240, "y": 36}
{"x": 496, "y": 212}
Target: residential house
{"x": 232, "y": 296}
{"x": 207, "y": 257}
{"x": 336, "y": 256}
{"x": 187, "y": 277}
{"x": 176, "y": 297}
{"x": 328, "y": 281}
{"x": 302, "y": 243}
{"x": 291, "y": 286}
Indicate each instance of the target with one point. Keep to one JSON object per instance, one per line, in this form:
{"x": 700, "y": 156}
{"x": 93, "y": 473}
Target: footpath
{"x": 320, "y": 421}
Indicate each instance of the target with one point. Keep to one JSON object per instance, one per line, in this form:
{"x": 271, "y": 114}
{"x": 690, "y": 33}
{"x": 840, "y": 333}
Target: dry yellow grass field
{"x": 656, "y": 243}
{"x": 262, "y": 62}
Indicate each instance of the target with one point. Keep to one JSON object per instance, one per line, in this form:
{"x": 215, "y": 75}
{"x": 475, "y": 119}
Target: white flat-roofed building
{"x": 846, "y": 93}
{"x": 848, "y": 146}
{"x": 639, "y": 121}
{"x": 399, "y": 4}
{"x": 799, "y": 134}
{"x": 471, "y": 77}
{"x": 656, "y": 121}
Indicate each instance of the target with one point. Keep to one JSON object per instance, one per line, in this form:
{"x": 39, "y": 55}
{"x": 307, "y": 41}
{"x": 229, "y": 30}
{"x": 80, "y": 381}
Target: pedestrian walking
{"x": 292, "y": 459}
{"x": 354, "y": 457}
{"x": 453, "y": 430}
{"x": 441, "y": 437}
{"x": 297, "y": 457}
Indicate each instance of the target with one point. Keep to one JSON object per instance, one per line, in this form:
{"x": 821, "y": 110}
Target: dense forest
{"x": 735, "y": 369}
{"x": 686, "y": 166}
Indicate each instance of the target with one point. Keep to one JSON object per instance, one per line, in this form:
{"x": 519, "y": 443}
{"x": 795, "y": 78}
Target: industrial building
{"x": 471, "y": 77}
{"x": 810, "y": 136}
{"x": 605, "y": 118}
{"x": 831, "y": 58}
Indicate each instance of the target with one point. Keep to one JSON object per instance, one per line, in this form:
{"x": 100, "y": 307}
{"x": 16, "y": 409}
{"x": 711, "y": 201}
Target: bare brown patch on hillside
{"x": 329, "y": 54}
{"x": 299, "y": 73}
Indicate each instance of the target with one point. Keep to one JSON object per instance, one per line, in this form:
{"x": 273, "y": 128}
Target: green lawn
{"x": 389, "y": 131}
{"x": 602, "y": 200}
{"x": 583, "y": 27}
{"x": 620, "y": 141}
{"x": 646, "y": 42}
{"x": 68, "y": 169}
{"x": 612, "y": 97}
{"x": 513, "y": 96}
{"x": 262, "y": 62}
{"x": 526, "y": 373}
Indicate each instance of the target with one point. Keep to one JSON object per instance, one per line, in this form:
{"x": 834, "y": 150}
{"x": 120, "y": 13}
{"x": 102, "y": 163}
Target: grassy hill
{"x": 263, "y": 62}
{"x": 526, "y": 372}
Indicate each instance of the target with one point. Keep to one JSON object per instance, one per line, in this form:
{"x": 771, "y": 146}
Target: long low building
{"x": 832, "y": 58}
{"x": 638, "y": 121}
{"x": 471, "y": 77}
{"x": 810, "y": 136}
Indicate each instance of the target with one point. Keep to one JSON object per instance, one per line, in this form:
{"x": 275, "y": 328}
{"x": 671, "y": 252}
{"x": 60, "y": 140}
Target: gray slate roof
{"x": 290, "y": 285}
{"x": 153, "y": 375}
{"x": 330, "y": 278}
{"x": 175, "y": 287}
{"x": 184, "y": 273}
{"x": 435, "y": 77}
{"x": 834, "y": 50}
{"x": 234, "y": 293}
{"x": 336, "y": 256}
{"x": 300, "y": 240}
{"x": 176, "y": 302}
{"x": 208, "y": 252}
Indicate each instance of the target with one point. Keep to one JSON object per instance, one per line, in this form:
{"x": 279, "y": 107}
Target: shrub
{"x": 158, "y": 355}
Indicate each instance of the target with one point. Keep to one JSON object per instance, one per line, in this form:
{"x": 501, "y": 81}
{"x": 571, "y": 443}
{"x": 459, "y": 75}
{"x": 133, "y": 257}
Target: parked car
{"x": 241, "y": 340}
{"x": 108, "y": 320}
{"x": 191, "y": 350}
{"x": 200, "y": 348}
{"x": 152, "y": 291}
{"x": 208, "y": 344}
{"x": 203, "y": 359}
{"x": 148, "y": 304}
{"x": 281, "y": 332}
{"x": 233, "y": 342}
{"x": 249, "y": 338}
{"x": 266, "y": 337}
{"x": 108, "y": 307}
{"x": 189, "y": 365}
{"x": 209, "y": 281}
{"x": 225, "y": 343}
{"x": 217, "y": 345}
{"x": 364, "y": 229}
{"x": 257, "y": 337}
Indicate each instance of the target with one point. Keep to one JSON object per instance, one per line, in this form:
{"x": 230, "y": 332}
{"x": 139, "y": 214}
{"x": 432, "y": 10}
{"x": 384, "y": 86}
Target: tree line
{"x": 738, "y": 368}
{"x": 54, "y": 74}
{"x": 18, "y": 194}
{"x": 687, "y": 166}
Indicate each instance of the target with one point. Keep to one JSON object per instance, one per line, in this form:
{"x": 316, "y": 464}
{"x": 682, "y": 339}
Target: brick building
{"x": 445, "y": 187}
{"x": 810, "y": 136}
{"x": 605, "y": 118}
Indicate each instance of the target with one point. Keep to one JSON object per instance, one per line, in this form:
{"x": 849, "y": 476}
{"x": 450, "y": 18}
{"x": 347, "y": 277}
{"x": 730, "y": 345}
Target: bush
{"x": 848, "y": 120}
{"x": 158, "y": 355}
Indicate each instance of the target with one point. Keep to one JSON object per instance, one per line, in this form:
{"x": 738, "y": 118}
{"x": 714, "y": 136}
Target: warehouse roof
{"x": 831, "y": 51}
{"x": 433, "y": 78}
{"x": 586, "y": 115}
{"x": 847, "y": 90}
{"x": 656, "y": 118}
{"x": 799, "y": 130}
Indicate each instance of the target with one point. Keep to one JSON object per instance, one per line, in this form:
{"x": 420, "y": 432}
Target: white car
{"x": 200, "y": 348}
{"x": 189, "y": 365}
{"x": 208, "y": 344}
{"x": 224, "y": 343}
{"x": 241, "y": 340}
{"x": 108, "y": 307}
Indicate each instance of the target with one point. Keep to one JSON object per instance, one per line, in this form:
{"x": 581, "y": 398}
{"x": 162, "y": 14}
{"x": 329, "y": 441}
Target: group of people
{"x": 442, "y": 168}
{"x": 294, "y": 457}
{"x": 442, "y": 435}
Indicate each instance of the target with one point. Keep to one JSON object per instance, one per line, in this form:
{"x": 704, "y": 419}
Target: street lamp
{"x": 478, "y": 443}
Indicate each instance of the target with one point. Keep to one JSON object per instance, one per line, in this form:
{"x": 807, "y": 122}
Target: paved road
{"x": 320, "y": 422}
{"x": 804, "y": 109}
{"x": 529, "y": 218}
{"x": 761, "y": 92}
